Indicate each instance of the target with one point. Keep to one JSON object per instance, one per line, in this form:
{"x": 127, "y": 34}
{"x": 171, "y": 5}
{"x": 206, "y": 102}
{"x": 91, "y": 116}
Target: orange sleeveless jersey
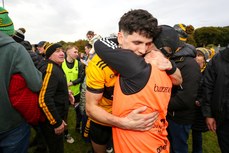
{"x": 155, "y": 95}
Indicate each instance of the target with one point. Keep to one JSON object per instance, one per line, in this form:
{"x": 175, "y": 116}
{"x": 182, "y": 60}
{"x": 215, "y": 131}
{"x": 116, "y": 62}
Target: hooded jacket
{"x": 14, "y": 59}
{"x": 181, "y": 107}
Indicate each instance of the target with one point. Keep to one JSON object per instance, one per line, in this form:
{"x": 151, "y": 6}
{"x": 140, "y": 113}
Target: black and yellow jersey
{"x": 100, "y": 78}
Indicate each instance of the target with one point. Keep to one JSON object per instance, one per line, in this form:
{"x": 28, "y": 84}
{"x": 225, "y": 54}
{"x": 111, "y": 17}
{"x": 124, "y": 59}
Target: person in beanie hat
{"x": 189, "y": 29}
{"x": 14, "y": 59}
{"x": 50, "y": 49}
{"x": 19, "y": 35}
{"x": 54, "y": 98}
{"x": 6, "y": 24}
{"x": 183, "y": 31}
{"x": 199, "y": 124}
{"x": 202, "y": 57}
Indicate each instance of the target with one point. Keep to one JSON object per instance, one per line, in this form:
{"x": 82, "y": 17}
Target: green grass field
{"x": 210, "y": 144}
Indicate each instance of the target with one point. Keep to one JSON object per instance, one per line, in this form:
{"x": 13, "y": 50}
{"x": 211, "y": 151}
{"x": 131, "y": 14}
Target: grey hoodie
{"x": 14, "y": 59}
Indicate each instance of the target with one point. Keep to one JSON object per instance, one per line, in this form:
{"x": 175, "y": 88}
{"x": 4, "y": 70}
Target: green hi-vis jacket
{"x": 71, "y": 75}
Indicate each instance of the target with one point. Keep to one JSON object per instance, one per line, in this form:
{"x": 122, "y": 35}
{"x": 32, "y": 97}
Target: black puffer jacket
{"x": 181, "y": 107}
{"x": 200, "y": 124}
{"x": 216, "y": 87}
{"x": 38, "y": 60}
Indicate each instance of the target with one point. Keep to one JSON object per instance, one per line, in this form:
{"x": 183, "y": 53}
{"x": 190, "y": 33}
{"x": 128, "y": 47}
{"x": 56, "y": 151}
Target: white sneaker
{"x": 109, "y": 150}
{"x": 69, "y": 139}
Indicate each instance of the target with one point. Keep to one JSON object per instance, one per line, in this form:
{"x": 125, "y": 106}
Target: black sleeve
{"x": 48, "y": 95}
{"x": 124, "y": 61}
{"x": 200, "y": 90}
{"x": 208, "y": 86}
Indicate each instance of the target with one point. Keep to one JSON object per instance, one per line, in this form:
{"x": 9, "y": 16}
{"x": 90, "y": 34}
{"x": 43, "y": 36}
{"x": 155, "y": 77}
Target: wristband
{"x": 174, "y": 67}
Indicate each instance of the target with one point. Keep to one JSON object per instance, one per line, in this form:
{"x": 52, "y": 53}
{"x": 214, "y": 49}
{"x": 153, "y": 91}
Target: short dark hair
{"x": 140, "y": 21}
{"x": 88, "y": 45}
{"x": 90, "y": 33}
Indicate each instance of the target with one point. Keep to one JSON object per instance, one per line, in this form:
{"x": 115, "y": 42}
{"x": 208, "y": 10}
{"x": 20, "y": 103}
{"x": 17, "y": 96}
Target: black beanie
{"x": 19, "y": 36}
{"x": 168, "y": 37}
{"x": 50, "y": 49}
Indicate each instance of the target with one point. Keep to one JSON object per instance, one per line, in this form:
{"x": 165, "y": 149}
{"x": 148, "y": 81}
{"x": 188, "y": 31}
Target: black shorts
{"x": 100, "y": 134}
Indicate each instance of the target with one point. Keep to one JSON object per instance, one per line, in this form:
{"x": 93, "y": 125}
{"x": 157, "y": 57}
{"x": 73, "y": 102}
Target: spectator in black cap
{"x": 54, "y": 98}
{"x": 40, "y": 48}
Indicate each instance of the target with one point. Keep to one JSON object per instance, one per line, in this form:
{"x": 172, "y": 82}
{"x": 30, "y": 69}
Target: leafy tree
{"x": 212, "y": 35}
{"x": 79, "y": 43}
{"x": 224, "y": 36}
{"x": 191, "y": 40}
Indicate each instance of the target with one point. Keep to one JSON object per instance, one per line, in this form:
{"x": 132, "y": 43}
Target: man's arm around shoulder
{"x": 133, "y": 121}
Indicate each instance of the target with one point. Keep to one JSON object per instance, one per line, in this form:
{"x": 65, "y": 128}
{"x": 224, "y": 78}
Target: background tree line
{"x": 79, "y": 43}
{"x": 209, "y": 36}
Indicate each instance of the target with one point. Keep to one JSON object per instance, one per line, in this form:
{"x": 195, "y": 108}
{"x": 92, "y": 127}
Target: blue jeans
{"x": 16, "y": 140}
{"x": 196, "y": 141}
{"x": 178, "y": 137}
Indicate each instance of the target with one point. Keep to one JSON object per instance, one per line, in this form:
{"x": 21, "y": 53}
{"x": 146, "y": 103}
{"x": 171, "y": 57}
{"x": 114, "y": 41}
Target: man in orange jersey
{"x": 100, "y": 80}
{"x": 139, "y": 83}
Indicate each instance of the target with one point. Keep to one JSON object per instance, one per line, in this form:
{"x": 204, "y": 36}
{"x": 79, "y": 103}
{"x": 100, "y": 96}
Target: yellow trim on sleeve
{"x": 42, "y": 95}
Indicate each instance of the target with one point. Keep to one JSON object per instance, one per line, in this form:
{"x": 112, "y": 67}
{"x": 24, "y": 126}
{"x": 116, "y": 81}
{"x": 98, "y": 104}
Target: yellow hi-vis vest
{"x": 71, "y": 75}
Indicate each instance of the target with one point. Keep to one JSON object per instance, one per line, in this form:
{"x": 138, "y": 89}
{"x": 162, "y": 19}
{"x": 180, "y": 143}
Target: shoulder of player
{"x": 98, "y": 62}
